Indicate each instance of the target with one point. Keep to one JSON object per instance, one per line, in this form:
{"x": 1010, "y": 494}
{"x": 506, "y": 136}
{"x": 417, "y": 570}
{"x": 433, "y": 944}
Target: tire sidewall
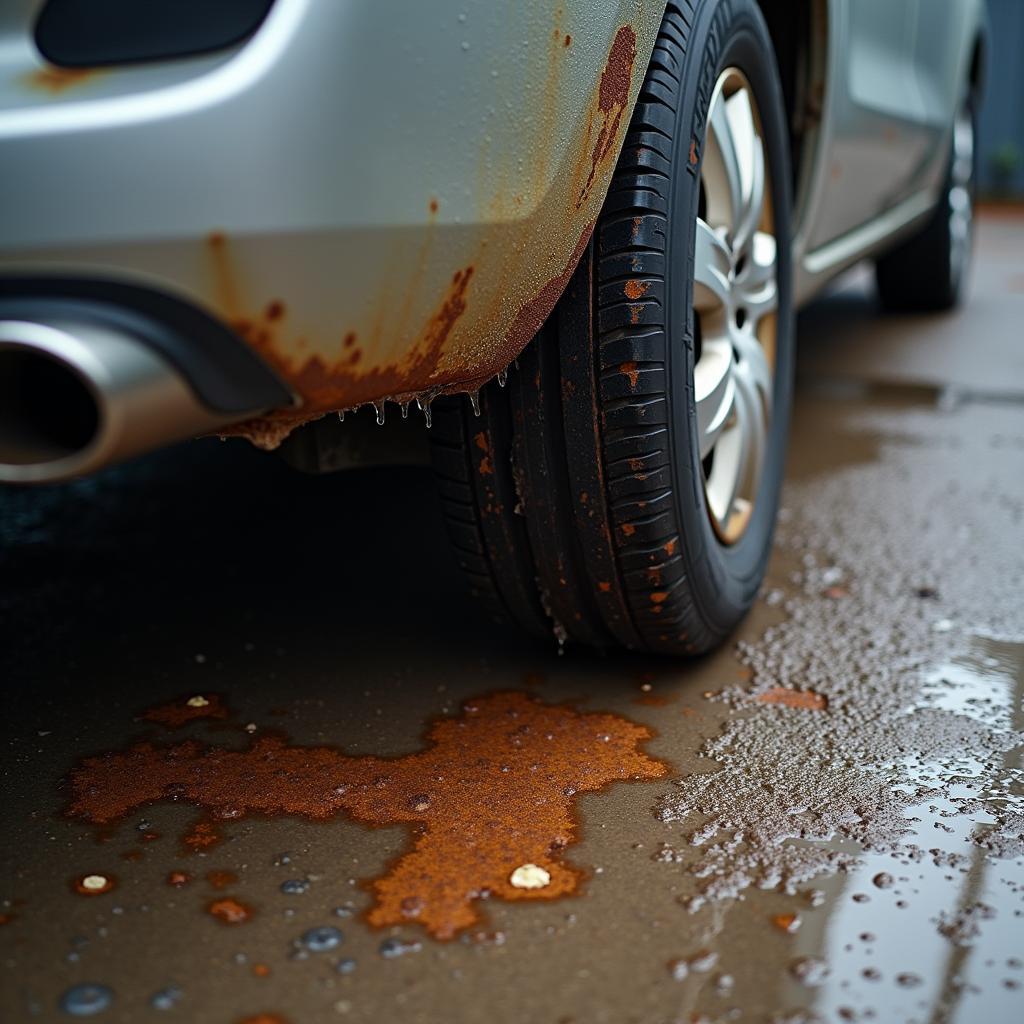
{"x": 725, "y": 579}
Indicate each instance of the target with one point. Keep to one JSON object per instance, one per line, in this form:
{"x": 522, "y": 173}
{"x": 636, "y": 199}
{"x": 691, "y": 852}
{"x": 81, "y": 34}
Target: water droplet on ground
{"x": 393, "y": 947}
{"x": 167, "y": 998}
{"x": 86, "y": 1000}
{"x": 322, "y": 939}
{"x": 809, "y": 970}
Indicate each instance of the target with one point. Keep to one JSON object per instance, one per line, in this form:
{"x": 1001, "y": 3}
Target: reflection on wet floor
{"x": 932, "y": 926}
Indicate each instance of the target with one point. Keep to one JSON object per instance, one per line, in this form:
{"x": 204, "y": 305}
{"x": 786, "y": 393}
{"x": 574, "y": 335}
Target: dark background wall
{"x": 1001, "y": 129}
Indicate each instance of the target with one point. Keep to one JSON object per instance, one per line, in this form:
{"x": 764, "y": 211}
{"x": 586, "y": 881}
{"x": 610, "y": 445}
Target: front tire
{"x": 623, "y": 490}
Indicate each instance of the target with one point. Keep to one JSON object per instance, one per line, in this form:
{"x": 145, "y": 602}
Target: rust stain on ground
{"x": 56, "y": 80}
{"x": 493, "y": 789}
{"x": 806, "y": 699}
{"x": 221, "y": 879}
{"x": 229, "y": 911}
{"x": 788, "y": 923}
{"x": 187, "y": 709}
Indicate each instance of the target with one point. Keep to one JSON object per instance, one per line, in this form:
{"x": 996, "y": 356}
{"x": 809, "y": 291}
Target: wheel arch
{"x": 799, "y": 31}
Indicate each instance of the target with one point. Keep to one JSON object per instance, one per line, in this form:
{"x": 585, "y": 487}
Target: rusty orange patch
{"x": 636, "y": 289}
{"x": 788, "y": 923}
{"x": 613, "y": 95}
{"x": 53, "y": 79}
{"x": 229, "y": 911}
{"x": 221, "y": 879}
{"x": 494, "y": 789}
{"x": 806, "y": 699}
{"x": 187, "y": 709}
{"x": 632, "y": 372}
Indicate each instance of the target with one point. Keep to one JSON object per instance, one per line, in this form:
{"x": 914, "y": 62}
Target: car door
{"x": 879, "y": 130}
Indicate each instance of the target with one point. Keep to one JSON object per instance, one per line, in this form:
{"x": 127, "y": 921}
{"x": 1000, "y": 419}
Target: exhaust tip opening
{"x": 48, "y": 411}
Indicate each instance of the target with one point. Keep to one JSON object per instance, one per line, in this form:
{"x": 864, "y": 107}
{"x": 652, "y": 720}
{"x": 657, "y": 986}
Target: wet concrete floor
{"x": 266, "y": 762}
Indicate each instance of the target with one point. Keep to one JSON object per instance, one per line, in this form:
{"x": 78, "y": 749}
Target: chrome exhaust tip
{"x": 78, "y": 395}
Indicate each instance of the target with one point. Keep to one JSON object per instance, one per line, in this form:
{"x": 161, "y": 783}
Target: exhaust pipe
{"x": 77, "y": 395}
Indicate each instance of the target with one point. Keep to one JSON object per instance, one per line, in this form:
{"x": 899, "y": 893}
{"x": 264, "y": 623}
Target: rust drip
{"x": 186, "y": 709}
{"x": 492, "y": 791}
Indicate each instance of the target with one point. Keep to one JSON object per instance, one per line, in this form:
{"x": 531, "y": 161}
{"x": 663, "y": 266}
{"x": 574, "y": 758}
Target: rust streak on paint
{"x": 493, "y": 789}
{"x": 321, "y": 380}
{"x": 511, "y": 293}
{"x": 806, "y": 699}
{"x": 613, "y": 96}
{"x": 636, "y": 289}
{"x": 537, "y": 310}
{"x": 57, "y": 80}
{"x": 632, "y": 373}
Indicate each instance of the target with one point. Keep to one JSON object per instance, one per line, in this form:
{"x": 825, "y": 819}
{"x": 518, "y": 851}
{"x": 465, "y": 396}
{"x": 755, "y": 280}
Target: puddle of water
{"x": 488, "y": 802}
{"x": 933, "y": 930}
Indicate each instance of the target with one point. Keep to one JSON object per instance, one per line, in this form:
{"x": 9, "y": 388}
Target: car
{"x": 575, "y": 234}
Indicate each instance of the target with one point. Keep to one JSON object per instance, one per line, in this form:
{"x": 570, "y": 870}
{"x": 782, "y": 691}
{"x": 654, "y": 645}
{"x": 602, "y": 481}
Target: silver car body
{"x": 385, "y": 197}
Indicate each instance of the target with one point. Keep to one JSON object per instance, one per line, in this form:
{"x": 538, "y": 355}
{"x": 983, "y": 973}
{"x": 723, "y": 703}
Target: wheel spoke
{"x": 751, "y": 426}
{"x": 714, "y": 391}
{"x": 755, "y": 289}
{"x": 752, "y": 357}
{"x": 750, "y": 160}
{"x": 722, "y": 166}
{"x": 711, "y": 270}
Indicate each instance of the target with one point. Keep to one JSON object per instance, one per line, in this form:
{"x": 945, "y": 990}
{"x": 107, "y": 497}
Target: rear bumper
{"x": 383, "y": 199}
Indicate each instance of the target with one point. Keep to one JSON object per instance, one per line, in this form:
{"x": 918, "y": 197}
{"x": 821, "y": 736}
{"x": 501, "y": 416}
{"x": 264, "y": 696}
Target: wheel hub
{"x": 735, "y": 298}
